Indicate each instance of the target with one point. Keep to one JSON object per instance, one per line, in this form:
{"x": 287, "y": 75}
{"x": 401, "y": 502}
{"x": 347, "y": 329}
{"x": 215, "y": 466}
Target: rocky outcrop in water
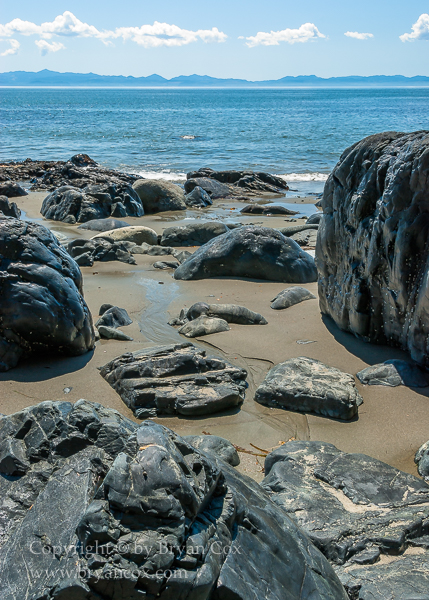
{"x": 373, "y": 245}
{"x": 252, "y": 183}
{"x": 9, "y": 209}
{"x": 307, "y": 385}
{"x": 77, "y": 205}
{"x": 159, "y": 196}
{"x": 290, "y": 297}
{"x": 195, "y": 234}
{"x": 258, "y": 209}
{"x": 41, "y": 302}
{"x": 355, "y": 510}
{"x": 255, "y": 252}
{"x": 175, "y": 379}
{"x": 86, "y": 252}
{"x": 102, "y": 508}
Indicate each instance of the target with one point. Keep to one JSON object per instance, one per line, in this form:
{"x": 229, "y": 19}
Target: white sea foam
{"x": 165, "y": 175}
{"x": 305, "y": 176}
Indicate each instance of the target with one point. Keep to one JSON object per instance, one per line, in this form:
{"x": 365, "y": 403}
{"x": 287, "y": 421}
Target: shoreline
{"x": 398, "y": 412}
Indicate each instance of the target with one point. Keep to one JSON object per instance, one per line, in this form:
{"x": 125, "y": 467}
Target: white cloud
{"x": 46, "y": 47}
{"x": 420, "y": 30}
{"x": 149, "y": 36}
{"x": 14, "y": 47}
{"x": 307, "y": 31}
{"x": 358, "y": 36}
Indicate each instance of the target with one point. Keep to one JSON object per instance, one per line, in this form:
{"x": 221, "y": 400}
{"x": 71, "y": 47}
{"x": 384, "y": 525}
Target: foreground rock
{"x": 255, "y": 252}
{"x": 307, "y": 385}
{"x": 393, "y": 373}
{"x": 175, "y": 379}
{"x": 77, "y": 205}
{"x": 86, "y": 252}
{"x": 10, "y": 189}
{"x": 111, "y": 318}
{"x": 203, "y": 325}
{"x": 138, "y": 234}
{"x": 41, "y": 302}
{"x": 108, "y": 510}
{"x": 196, "y": 234}
{"x": 356, "y": 508}
{"x": 290, "y": 297}
{"x": 9, "y": 209}
{"x": 253, "y": 183}
{"x": 103, "y": 224}
{"x": 373, "y": 245}
{"x": 159, "y": 196}
{"x": 218, "y": 446}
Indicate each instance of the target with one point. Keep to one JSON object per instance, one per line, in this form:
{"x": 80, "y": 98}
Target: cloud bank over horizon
{"x": 305, "y": 33}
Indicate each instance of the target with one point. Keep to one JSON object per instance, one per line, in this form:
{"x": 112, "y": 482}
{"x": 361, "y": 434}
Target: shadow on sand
{"x": 49, "y": 365}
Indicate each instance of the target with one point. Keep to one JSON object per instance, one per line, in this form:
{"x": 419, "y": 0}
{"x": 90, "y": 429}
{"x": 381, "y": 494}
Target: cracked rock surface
{"x": 135, "y": 512}
{"x": 372, "y": 248}
{"x": 175, "y": 379}
{"x": 41, "y": 302}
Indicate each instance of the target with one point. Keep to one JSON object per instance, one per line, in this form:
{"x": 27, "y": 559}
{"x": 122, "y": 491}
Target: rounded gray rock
{"x": 158, "y": 196}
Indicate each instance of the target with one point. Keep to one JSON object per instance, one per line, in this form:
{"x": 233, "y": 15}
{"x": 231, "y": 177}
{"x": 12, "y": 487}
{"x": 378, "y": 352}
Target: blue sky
{"x": 227, "y": 38}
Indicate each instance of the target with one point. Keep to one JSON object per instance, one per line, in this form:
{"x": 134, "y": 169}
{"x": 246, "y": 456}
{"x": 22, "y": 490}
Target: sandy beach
{"x": 391, "y": 423}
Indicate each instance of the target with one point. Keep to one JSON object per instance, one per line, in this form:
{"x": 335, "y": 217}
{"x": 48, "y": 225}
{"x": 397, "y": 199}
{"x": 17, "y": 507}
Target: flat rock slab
{"x": 175, "y": 379}
{"x": 257, "y": 209}
{"x": 290, "y": 297}
{"x": 393, "y": 373}
{"x": 86, "y": 252}
{"x": 165, "y": 264}
{"x": 307, "y": 385}
{"x": 308, "y": 237}
{"x": 203, "y": 325}
{"x": 132, "y": 233}
{"x": 103, "y": 224}
{"x": 196, "y": 234}
{"x": 355, "y": 510}
{"x": 232, "y": 313}
{"x": 255, "y": 252}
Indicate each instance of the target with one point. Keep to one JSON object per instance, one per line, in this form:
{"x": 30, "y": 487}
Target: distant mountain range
{"x": 53, "y": 78}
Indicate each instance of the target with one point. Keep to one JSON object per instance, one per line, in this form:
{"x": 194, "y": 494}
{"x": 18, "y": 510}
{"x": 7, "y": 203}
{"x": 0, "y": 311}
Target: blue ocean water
{"x": 299, "y": 133}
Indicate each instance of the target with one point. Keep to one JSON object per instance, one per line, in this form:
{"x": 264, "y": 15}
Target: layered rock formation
{"x": 41, "y": 302}
{"x": 373, "y": 244}
{"x": 220, "y": 184}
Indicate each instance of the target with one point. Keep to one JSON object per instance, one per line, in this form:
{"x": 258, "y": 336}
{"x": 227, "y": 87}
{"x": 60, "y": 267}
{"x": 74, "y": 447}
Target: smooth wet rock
{"x": 113, "y": 316}
{"x": 291, "y": 296}
{"x": 92, "y": 202}
{"x": 355, "y": 507}
{"x": 393, "y": 373}
{"x": 111, "y": 333}
{"x": 211, "y": 187}
{"x": 11, "y": 189}
{"x": 307, "y": 385}
{"x": 196, "y": 234}
{"x": 158, "y": 196}
{"x": 373, "y": 245}
{"x": 132, "y": 233}
{"x": 422, "y": 460}
{"x": 175, "y": 379}
{"x": 305, "y": 238}
{"x": 203, "y": 325}
{"x": 255, "y": 252}
{"x": 165, "y": 264}
{"x": 86, "y": 252}
{"x": 198, "y": 198}
{"x": 218, "y": 446}
{"x": 232, "y": 313}
{"x": 258, "y": 209}
{"x": 41, "y": 300}
{"x": 103, "y": 225}
{"x": 9, "y": 209}
{"x": 314, "y": 219}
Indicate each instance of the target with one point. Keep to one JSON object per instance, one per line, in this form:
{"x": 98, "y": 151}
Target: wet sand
{"x": 391, "y": 423}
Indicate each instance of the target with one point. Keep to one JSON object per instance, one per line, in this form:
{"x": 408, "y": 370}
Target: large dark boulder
{"x": 195, "y": 234}
{"x": 255, "y": 252}
{"x": 41, "y": 302}
{"x": 213, "y": 188}
{"x": 159, "y": 196}
{"x": 11, "y": 189}
{"x": 307, "y": 385}
{"x": 356, "y": 509}
{"x": 175, "y": 379}
{"x": 77, "y": 205}
{"x": 373, "y": 244}
{"x": 106, "y": 509}
{"x": 249, "y": 181}
{"x": 216, "y": 445}
{"x": 9, "y": 209}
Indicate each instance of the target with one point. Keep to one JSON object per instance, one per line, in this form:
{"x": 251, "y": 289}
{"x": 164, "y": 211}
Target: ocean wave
{"x": 305, "y": 176}
{"x": 165, "y": 175}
